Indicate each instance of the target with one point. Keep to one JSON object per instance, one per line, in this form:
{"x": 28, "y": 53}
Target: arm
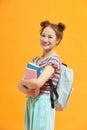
{"x": 22, "y": 88}
{"x": 38, "y": 83}
{"x": 30, "y": 92}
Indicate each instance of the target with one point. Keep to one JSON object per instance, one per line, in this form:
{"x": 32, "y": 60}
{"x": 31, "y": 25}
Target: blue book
{"x": 35, "y": 67}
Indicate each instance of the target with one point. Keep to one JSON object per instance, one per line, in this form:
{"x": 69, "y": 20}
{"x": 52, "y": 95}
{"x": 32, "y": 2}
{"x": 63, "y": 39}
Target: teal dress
{"x": 38, "y": 113}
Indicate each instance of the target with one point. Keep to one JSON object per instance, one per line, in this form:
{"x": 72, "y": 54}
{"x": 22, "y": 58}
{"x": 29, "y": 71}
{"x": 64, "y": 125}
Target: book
{"x": 34, "y": 67}
{"x": 30, "y": 74}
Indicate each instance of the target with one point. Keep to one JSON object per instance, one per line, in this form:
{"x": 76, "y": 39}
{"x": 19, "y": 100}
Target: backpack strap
{"x": 64, "y": 64}
{"x": 53, "y": 91}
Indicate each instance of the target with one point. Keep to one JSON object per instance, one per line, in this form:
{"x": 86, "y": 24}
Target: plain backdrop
{"x": 19, "y": 44}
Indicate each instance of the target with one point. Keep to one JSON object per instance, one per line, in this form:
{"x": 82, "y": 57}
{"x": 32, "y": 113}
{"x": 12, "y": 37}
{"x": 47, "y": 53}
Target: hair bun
{"x": 61, "y": 27}
{"x": 44, "y": 23}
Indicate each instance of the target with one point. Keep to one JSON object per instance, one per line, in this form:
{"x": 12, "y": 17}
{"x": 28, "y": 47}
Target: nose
{"x": 45, "y": 39}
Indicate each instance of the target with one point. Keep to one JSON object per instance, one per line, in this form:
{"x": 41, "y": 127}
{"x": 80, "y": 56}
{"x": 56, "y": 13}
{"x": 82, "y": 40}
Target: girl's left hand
{"x": 31, "y": 84}
{"x": 33, "y": 92}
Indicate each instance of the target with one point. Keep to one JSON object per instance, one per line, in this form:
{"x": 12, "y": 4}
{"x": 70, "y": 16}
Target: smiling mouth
{"x": 45, "y": 44}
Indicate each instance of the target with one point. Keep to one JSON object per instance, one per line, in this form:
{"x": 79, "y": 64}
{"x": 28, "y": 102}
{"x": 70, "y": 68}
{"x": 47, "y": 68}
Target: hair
{"x": 58, "y": 28}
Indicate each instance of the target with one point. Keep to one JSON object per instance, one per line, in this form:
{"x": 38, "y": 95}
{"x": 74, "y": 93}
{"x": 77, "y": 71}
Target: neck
{"x": 48, "y": 53}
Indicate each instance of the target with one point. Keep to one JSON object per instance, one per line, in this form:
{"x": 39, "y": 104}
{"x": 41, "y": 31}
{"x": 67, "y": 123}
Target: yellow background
{"x": 19, "y": 43}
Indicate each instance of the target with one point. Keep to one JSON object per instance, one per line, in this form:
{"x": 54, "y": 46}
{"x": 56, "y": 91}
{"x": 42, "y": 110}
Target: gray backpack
{"x": 60, "y": 95}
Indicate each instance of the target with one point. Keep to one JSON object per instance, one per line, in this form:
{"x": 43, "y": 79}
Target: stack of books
{"x": 32, "y": 71}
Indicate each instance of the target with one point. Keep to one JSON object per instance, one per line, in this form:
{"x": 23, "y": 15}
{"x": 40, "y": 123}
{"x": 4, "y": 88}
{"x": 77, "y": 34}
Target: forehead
{"x": 48, "y": 30}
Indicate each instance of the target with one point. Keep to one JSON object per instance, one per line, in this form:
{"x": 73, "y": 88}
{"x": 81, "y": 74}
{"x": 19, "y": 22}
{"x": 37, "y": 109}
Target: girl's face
{"x": 48, "y": 39}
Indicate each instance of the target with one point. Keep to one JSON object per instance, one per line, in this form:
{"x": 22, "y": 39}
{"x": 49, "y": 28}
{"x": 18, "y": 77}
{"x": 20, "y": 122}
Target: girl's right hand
{"x": 33, "y": 92}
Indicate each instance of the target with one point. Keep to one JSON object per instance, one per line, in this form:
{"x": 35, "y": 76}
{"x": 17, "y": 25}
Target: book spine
{"x": 35, "y": 68}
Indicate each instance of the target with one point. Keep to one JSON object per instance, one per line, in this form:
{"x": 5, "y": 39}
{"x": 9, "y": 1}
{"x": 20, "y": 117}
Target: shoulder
{"x": 55, "y": 58}
{"x": 35, "y": 59}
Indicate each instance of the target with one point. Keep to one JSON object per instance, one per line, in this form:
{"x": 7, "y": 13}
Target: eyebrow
{"x": 51, "y": 35}
{"x": 48, "y": 34}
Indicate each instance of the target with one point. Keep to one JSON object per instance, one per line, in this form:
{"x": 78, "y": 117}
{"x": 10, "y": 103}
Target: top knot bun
{"x": 61, "y": 27}
{"x": 44, "y": 23}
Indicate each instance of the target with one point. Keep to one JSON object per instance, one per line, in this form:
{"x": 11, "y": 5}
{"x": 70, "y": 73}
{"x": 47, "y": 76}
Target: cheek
{"x": 40, "y": 39}
{"x": 53, "y": 41}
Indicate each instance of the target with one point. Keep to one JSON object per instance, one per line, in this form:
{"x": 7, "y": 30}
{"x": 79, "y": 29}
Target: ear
{"x": 58, "y": 41}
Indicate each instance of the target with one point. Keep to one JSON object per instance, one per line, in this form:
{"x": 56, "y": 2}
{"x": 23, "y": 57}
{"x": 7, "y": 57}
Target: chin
{"x": 46, "y": 49}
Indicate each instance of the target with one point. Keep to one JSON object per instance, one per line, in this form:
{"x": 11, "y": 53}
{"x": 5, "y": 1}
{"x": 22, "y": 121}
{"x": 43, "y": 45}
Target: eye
{"x": 42, "y": 35}
{"x": 50, "y": 37}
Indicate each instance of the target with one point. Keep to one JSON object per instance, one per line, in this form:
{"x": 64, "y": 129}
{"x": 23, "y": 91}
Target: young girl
{"x": 38, "y": 114}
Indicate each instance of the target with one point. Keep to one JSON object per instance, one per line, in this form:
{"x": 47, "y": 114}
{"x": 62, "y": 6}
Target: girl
{"x": 38, "y": 114}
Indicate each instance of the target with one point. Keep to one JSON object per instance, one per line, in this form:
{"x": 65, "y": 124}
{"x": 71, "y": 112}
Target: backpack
{"x": 60, "y": 95}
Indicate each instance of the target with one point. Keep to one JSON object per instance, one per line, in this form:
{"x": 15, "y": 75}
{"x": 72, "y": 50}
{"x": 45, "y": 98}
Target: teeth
{"x": 45, "y": 44}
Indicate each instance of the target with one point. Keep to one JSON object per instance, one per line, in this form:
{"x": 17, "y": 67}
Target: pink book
{"x": 30, "y": 74}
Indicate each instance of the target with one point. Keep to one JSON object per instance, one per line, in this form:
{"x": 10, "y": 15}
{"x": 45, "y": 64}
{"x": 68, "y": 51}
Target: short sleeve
{"x": 55, "y": 62}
